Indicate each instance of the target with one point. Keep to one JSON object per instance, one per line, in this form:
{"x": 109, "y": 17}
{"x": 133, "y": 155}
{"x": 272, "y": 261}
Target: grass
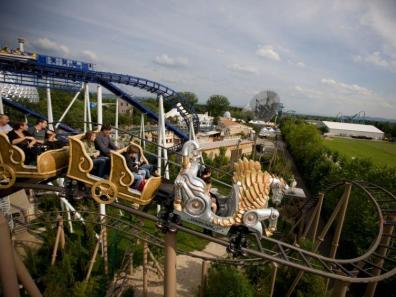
{"x": 379, "y": 152}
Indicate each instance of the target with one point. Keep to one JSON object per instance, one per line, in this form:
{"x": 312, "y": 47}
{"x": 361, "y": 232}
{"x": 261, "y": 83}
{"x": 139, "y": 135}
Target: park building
{"x": 234, "y": 128}
{"x": 353, "y": 130}
{"x": 123, "y": 107}
{"x": 205, "y": 120}
{"x": 170, "y": 138}
{"x": 234, "y": 148}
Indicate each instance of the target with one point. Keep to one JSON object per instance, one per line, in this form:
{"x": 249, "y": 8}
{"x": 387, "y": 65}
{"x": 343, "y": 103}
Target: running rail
{"x": 17, "y": 106}
{"x": 357, "y": 270}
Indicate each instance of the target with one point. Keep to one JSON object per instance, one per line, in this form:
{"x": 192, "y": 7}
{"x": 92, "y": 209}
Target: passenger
{"x": 206, "y": 177}
{"x": 21, "y": 138}
{"x": 4, "y": 126}
{"x": 43, "y": 136}
{"x": 98, "y": 161}
{"x": 144, "y": 168}
{"x": 103, "y": 141}
{"x": 130, "y": 158}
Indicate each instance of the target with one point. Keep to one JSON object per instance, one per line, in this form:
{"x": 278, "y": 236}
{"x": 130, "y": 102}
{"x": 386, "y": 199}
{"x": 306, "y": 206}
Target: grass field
{"x": 381, "y": 153}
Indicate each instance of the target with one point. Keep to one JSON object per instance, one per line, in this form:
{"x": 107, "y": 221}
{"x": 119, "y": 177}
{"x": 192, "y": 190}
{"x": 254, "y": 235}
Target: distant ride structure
{"x": 265, "y": 105}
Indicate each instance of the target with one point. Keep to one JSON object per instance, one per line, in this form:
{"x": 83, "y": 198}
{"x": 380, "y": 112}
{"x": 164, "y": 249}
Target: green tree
{"x": 190, "y": 97}
{"x": 227, "y": 281}
{"x": 217, "y": 105}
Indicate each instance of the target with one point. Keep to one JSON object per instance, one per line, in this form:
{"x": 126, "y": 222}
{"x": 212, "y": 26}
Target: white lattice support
{"x": 116, "y": 122}
{"x": 5, "y": 208}
{"x": 68, "y": 108}
{"x": 99, "y": 106}
{"x": 49, "y": 108}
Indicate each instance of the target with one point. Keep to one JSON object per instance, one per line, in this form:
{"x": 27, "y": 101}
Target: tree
{"x": 217, "y": 105}
{"x": 190, "y": 97}
{"x": 227, "y": 281}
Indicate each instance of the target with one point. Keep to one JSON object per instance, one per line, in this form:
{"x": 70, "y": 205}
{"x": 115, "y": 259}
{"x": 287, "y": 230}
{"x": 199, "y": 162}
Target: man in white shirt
{"x": 4, "y": 127}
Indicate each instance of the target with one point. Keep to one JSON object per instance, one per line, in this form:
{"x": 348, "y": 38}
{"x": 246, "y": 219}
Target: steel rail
{"x": 325, "y": 261}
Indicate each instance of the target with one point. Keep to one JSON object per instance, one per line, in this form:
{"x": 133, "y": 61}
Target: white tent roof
{"x": 352, "y": 127}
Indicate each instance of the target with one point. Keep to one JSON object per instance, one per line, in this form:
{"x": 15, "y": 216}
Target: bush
{"x": 227, "y": 281}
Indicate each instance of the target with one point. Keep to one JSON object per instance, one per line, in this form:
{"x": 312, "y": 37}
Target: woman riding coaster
{"x": 98, "y": 161}
{"x": 21, "y": 138}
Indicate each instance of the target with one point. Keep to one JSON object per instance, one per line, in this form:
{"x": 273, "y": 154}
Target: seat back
{"x": 151, "y": 186}
{"x": 80, "y": 164}
{"x": 11, "y": 154}
{"x": 120, "y": 174}
{"x": 123, "y": 178}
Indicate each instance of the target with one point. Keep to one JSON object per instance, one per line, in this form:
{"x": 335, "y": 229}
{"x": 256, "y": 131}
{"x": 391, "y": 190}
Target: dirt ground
{"x": 188, "y": 274}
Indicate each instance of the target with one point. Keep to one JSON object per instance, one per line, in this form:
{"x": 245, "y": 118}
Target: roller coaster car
{"x": 118, "y": 184}
{"x": 7, "y": 53}
{"x": 49, "y": 163}
{"x": 245, "y": 209}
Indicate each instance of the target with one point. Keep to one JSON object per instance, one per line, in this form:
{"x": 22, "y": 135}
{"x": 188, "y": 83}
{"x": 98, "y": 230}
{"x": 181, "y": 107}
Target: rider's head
{"x": 106, "y": 129}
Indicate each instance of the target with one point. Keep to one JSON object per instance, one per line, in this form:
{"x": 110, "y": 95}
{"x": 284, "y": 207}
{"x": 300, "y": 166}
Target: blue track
{"x": 27, "y": 111}
{"x": 31, "y": 73}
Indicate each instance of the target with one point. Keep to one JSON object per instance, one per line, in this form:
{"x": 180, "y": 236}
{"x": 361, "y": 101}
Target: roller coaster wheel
{"x": 104, "y": 192}
{"x": 237, "y": 241}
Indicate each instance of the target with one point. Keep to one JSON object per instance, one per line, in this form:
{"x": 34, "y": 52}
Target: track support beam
{"x": 170, "y": 264}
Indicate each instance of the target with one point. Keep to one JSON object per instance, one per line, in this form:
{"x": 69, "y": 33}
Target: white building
{"x": 353, "y": 130}
{"x": 205, "y": 120}
{"x": 123, "y": 106}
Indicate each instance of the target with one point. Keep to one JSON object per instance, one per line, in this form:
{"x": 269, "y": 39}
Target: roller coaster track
{"x": 60, "y": 77}
{"x": 376, "y": 264}
{"x": 28, "y": 111}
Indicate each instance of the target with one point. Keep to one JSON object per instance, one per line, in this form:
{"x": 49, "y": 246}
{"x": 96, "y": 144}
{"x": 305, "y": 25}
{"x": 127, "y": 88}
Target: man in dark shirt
{"x": 43, "y": 136}
{"x": 38, "y": 130}
{"x": 105, "y": 145}
{"x": 103, "y": 142}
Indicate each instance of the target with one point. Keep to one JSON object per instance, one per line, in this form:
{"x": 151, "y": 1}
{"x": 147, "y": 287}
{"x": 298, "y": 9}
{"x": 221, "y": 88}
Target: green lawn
{"x": 381, "y": 153}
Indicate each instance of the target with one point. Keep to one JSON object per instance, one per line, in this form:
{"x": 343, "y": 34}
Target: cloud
{"x": 52, "y": 46}
{"x": 310, "y": 93}
{"x": 376, "y": 58}
{"x": 347, "y": 88}
{"x": 165, "y": 60}
{"x": 242, "y": 68}
{"x": 300, "y": 64}
{"x": 219, "y": 51}
{"x": 379, "y": 17}
{"x": 89, "y": 55}
{"x": 268, "y": 52}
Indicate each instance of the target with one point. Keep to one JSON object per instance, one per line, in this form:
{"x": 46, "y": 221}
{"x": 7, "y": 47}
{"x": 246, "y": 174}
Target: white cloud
{"x": 242, "y": 68}
{"x": 376, "y": 58}
{"x": 219, "y": 51}
{"x": 310, "y": 93}
{"x": 50, "y": 45}
{"x": 347, "y": 88}
{"x": 89, "y": 55}
{"x": 379, "y": 17}
{"x": 300, "y": 64}
{"x": 165, "y": 60}
{"x": 268, "y": 52}
{"x": 328, "y": 81}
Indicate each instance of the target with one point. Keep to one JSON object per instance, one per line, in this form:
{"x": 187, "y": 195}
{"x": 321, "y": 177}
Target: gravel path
{"x": 188, "y": 273}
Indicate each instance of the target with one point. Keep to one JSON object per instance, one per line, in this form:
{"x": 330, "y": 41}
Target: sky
{"x": 321, "y": 57}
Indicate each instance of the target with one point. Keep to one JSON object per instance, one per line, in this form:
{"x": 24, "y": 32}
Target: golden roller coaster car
{"x": 118, "y": 185}
{"x": 247, "y": 207}
{"x": 12, "y": 158}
